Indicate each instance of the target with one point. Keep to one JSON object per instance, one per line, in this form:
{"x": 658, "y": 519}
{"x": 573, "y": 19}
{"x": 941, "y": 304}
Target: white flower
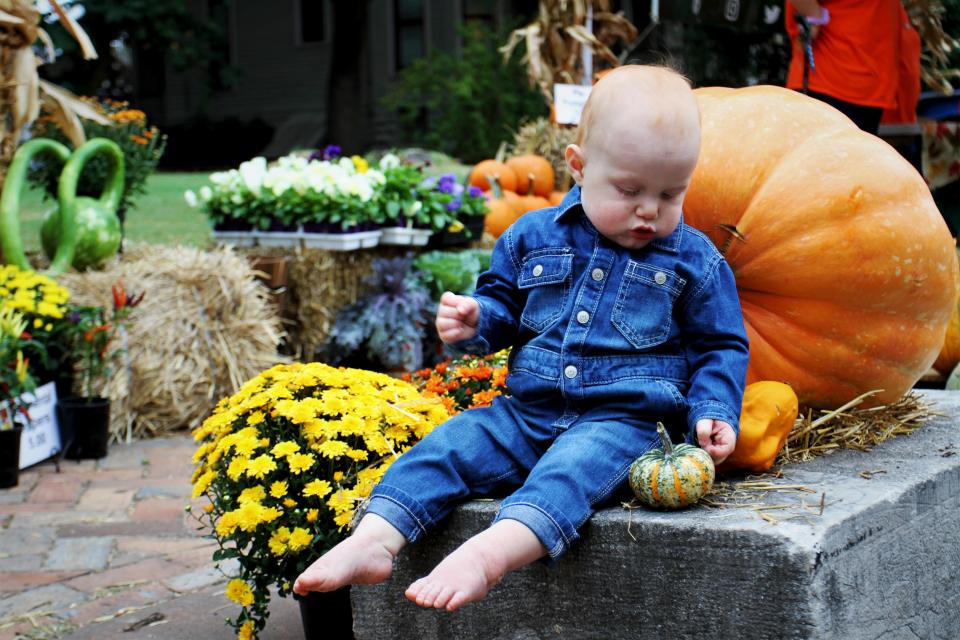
{"x": 206, "y": 194}
{"x": 389, "y": 161}
{"x": 252, "y": 172}
{"x": 190, "y": 197}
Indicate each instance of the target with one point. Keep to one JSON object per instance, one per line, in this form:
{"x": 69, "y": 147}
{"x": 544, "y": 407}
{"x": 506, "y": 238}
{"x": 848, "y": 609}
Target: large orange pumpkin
{"x": 846, "y": 271}
{"x": 949, "y": 355}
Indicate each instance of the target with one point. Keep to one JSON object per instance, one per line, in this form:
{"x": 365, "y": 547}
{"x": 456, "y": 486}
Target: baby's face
{"x": 633, "y": 182}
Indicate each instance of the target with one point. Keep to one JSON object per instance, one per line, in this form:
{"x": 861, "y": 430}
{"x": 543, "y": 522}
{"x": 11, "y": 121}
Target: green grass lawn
{"x": 160, "y": 216}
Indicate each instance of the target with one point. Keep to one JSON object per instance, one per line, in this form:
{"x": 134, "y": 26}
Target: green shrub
{"x": 465, "y": 104}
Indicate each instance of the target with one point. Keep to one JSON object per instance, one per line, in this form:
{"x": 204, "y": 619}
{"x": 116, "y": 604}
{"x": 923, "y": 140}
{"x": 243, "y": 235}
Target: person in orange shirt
{"x": 856, "y": 55}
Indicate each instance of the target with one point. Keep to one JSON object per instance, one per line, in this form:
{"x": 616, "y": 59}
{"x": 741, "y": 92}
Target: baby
{"x": 619, "y": 315}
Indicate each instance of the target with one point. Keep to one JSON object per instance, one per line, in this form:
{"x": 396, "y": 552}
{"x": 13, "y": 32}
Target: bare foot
{"x": 466, "y": 575}
{"x": 366, "y": 557}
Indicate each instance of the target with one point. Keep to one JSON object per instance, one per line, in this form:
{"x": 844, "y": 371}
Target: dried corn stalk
{"x": 22, "y": 92}
{"x": 927, "y": 18}
{"x": 555, "y": 39}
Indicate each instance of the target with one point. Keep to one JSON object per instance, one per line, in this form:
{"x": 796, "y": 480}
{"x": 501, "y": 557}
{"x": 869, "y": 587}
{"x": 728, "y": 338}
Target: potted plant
{"x": 43, "y": 303}
{"x": 454, "y": 212}
{"x": 85, "y": 419}
{"x": 285, "y": 463}
{"x": 388, "y": 326}
{"x": 142, "y": 145}
{"x": 15, "y": 380}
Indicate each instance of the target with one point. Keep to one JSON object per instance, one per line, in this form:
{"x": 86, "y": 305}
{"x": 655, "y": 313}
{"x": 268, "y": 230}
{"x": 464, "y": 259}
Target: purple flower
{"x": 330, "y": 152}
{"x": 454, "y": 205}
{"x": 474, "y": 192}
{"x": 447, "y": 183}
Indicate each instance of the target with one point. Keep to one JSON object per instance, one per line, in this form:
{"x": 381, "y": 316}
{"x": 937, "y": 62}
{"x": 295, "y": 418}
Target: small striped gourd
{"x": 673, "y": 477}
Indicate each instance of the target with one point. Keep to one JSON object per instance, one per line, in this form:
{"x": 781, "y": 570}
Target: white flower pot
{"x": 341, "y": 241}
{"x": 405, "y": 236}
{"x": 236, "y": 238}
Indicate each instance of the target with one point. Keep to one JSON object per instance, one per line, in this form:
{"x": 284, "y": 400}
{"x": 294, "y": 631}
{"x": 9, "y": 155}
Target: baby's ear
{"x": 573, "y": 155}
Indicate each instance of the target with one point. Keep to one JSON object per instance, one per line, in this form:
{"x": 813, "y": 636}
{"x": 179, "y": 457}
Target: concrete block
{"x": 881, "y": 561}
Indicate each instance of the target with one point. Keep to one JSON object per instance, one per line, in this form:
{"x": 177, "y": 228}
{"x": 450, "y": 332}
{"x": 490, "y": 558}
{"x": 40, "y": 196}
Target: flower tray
{"x": 236, "y": 238}
{"x": 341, "y": 241}
{"x": 405, "y": 236}
{"x": 278, "y": 238}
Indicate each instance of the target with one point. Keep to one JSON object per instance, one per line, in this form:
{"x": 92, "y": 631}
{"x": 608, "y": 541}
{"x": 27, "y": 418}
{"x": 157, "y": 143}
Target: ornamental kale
{"x": 390, "y": 322}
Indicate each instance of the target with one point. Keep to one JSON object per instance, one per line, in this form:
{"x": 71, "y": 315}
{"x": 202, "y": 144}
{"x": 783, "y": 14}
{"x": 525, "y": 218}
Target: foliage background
{"x": 464, "y": 105}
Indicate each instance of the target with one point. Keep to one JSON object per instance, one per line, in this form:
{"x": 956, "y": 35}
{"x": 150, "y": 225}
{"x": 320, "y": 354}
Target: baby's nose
{"x": 647, "y": 209}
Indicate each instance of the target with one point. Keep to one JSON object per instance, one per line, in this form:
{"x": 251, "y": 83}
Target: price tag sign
{"x": 41, "y": 436}
{"x": 568, "y": 101}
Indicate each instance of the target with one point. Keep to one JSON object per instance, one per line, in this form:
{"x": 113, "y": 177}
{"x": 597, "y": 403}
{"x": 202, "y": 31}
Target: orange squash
{"x": 949, "y": 355}
{"x": 534, "y": 174}
{"x": 501, "y": 215}
{"x": 504, "y": 175}
{"x": 846, "y": 271}
{"x": 556, "y": 197}
{"x": 768, "y": 414}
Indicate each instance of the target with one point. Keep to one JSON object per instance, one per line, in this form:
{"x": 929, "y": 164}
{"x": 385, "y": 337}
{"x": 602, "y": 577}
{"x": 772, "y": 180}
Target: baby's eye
{"x": 628, "y": 192}
{"x": 670, "y": 196}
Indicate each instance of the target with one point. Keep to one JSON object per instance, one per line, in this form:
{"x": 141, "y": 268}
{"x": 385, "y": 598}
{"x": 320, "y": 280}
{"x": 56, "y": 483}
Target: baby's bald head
{"x": 648, "y": 99}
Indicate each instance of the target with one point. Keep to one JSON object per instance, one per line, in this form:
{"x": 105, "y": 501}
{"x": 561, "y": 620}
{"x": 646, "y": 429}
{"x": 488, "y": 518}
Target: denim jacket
{"x": 656, "y": 331}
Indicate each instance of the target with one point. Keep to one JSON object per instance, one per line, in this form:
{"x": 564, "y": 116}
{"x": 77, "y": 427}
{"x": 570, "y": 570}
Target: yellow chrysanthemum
{"x": 203, "y": 483}
{"x": 260, "y": 466}
{"x": 278, "y": 541}
{"x": 252, "y": 494}
{"x": 240, "y": 592}
{"x": 318, "y": 488}
{"x": 246, "y": 631}
{"x": 300, "y": 538}
{"x": 300, "y": 462}
{"x": 289, "y": 503}
{"x": 278, "y": 489}
{"x": 312, "y": 515}
{"x": 285, "y": 448}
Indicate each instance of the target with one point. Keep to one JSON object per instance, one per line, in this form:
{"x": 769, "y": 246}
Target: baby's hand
{"x": 717, "y": 438}
{"x": 457, "y": 317}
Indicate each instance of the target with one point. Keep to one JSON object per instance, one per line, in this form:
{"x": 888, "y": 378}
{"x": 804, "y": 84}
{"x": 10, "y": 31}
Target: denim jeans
{"x": 556, "y": 467}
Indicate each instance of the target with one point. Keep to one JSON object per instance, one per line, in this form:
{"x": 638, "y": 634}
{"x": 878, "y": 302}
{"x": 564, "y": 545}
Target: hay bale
{"x": 319, "y": 284}
{"x": 204, "y": 327}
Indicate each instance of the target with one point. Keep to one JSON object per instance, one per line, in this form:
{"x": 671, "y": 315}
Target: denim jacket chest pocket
{"x": 545, "y": 275}
{"x": 644, "y": 306}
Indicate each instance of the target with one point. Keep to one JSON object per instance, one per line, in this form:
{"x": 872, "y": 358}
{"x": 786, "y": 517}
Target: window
{"x": 311, "y": 21}
{"x": 409, "y": 31}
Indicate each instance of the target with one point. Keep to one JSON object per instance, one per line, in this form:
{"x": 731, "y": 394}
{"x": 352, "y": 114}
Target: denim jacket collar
{"x": 571, "y": 201}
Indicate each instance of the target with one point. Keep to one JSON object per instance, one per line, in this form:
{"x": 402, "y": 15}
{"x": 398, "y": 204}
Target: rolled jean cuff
{"x": 553, "y": 530}
{"x": 406, "y": 514}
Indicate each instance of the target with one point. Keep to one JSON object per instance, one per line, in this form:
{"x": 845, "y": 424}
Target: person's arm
{"x": 814, "y": 12}
{"x": 500, "y": 301}
{"x": 716, "y": 348}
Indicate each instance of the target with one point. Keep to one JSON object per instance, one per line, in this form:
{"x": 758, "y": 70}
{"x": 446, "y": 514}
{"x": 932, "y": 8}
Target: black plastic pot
{"x": 10, "y": 456}
{"x": 327, "y": 616}
{"x": 84, "y": 427}
{"x": 472, "y": 231}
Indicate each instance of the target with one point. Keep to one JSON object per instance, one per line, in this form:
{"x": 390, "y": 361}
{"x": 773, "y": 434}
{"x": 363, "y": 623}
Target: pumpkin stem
{"x": 734, "y": 234}
{"x": 665, "y": 439}
{"x": 494, "y": 181}
{"x": 532, "y": 178}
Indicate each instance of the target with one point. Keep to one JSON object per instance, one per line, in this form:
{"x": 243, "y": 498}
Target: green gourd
{"x": 80, "y": 231}
{"x": 673, "y": 477}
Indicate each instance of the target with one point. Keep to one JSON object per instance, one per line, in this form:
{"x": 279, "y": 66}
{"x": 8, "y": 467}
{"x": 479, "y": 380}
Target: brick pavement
{"x": 90, "y": 550}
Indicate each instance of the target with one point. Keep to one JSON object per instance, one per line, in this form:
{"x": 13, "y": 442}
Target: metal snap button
{"x": 537, "y": 270}
{"x": 597, "y": 274}
{"x": 659, "y": 277}
{"x": 583, "y": 317}
{"x": 570, "y": 371}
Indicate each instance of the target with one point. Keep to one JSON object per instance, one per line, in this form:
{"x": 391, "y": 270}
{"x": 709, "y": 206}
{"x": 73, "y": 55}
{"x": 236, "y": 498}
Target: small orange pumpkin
{"x": 534, "y": 174}
{"x": 556, "y": 197}
{"x": 505, "y": 176}
{"x": 949, "y": 355}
